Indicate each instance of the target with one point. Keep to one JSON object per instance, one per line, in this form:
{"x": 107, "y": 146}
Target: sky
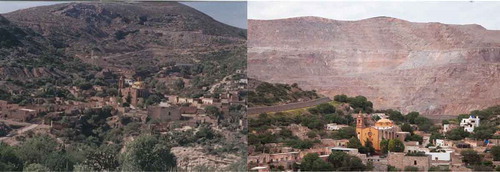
{"x": 458, "y": 12}
{"x": 231, "y": 13}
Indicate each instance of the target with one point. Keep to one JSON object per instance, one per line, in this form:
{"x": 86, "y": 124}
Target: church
{"x": 135, "y": 93}
{"x": 382, "y": 129}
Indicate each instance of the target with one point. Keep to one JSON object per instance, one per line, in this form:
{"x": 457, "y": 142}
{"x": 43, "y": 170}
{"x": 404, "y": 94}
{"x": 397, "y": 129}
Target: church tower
{"x": 360, "y": 121}
{"x": 121, "y": 83}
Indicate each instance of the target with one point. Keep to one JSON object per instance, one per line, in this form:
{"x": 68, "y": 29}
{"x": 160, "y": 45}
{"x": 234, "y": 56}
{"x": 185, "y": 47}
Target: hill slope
{"x": 125, "y": 36}
{"x": 26, "y": 54}
{"x": 432, "y": 68}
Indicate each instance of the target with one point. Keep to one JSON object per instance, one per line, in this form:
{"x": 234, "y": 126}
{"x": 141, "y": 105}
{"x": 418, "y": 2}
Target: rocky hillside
{"x": 25, "y": 54}
{"x": 129, "y": 35}
{"x": 433, "y": 68}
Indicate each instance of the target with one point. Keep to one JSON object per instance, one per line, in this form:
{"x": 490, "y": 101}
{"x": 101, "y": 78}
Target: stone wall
{"x": 400, "y": 161}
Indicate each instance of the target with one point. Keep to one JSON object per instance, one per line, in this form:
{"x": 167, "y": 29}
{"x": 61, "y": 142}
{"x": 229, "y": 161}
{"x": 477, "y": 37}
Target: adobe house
{"x": 162, "y": 113}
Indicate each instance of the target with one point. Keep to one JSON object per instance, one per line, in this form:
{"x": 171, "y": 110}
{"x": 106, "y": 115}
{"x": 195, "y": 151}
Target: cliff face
{"x": 129, "y": 35}
{"x": 432, "y": 68}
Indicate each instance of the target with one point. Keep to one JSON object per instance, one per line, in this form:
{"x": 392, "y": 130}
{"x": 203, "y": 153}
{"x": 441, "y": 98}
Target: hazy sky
{"x": 463, "y": 12}
{"x": 231, "y": 13}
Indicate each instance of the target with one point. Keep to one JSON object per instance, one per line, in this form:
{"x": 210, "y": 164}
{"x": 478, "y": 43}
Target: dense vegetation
{"x": 489, "y": 125}
{"x": 267, "y": 94}
{"x": 45, "y": 153}
{"x": 359, "y": 103}
{"x": 337, "y": 161}
{"x": 475, "y": 161}
{"x": 315, "y": 118}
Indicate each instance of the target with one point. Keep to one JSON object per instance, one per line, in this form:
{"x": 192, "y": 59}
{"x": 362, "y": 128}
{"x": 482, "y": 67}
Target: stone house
{"x": 401, "y": 160}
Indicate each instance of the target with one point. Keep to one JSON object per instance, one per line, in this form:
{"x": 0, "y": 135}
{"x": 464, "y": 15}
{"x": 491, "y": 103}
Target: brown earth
{"x": 433, "y": 68}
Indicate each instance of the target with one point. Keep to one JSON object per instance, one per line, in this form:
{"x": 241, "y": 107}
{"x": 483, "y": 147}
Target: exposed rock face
{"x": 124, "y": 35}
{"x": 432, "y": 68}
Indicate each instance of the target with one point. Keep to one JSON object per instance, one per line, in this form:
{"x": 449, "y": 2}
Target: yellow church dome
{"x": 138, "y": 85}
{"x": 384, "y": 123}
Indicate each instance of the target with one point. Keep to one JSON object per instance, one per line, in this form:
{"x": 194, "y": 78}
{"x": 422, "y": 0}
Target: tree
{"x": 436, "y": 135}
{"x": 337, "y": 158}
{"x": 152, "y": 99}
{"x": 395, "y": 115}
{"x": 325, "y": 108}
{"x": 179, "y": 84}
{"x": 415, "y": 137}
{"x": 103, "y": 159}
{"x": 9, "y": 161}
{"x": 213, "y": 111}
{"x": 311, "y": 134}
{"x": 4, "y": 129}
{"x": 354, "y": 143}
{"x": 147, "y": 153}
{"x": 369, "y": 147}
{"x": 313, "y": 122}
{"x": 59, "y": 161}
{"x": 457, "y": 134}
{"x": 424, "y": 124}
{"x": 396, "y": 145}
{"x": 470, "y": 157}
{"x": 312, "y": 162}
{"x": 360, "y": 103}
{"x": 495, "y": 151}
{"x": 340, "y": 98}
{"x": 345, "y": 133}
{"x": 483, "y": 132}
{"x": 352, "y": 163}
{"x": 410, "y": 117}
{"x": 384, "y": 146}
{"x": 407, "y": 128}
{"x": 35, "y": 150}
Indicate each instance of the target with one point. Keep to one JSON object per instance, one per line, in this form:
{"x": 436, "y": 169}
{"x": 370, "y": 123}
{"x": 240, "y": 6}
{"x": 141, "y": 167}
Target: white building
{"x": 207, "y": 101}
{"x": 470, "y": 123}
{"x": 445, "y": 155}
{"x": 438, "y": 155}
{"x": 129, "y": 82}
{"x": 334, "y": 126}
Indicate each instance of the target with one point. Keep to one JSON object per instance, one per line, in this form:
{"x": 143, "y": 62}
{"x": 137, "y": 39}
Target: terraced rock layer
{"x": 433, "y": 68}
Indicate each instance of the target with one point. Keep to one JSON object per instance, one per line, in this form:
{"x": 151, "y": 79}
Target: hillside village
{"x": 347, "y": 134}
{"x": 118, "y": 86}
{"x": 132, "y": 108}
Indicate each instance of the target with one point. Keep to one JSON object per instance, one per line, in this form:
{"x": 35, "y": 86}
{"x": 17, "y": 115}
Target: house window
{"x": 415, "y": 162}
{"x": 168, "y": 113}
